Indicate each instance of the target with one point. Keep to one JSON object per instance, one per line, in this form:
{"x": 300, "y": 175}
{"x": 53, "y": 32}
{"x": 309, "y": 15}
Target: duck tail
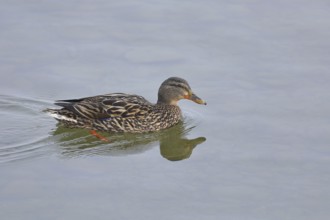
{"x": 61, "y": 115}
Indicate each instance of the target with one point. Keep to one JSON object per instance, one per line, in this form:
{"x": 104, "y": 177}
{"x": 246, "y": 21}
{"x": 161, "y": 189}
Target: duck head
{"x": 174, "y": 89}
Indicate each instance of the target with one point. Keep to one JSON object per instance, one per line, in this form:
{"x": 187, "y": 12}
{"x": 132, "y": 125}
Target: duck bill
{"x": 196, "y": 99}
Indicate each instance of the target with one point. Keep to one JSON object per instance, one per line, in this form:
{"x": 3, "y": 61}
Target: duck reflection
{"x": 174, "y": 146}
{"x": 173, "y": 143}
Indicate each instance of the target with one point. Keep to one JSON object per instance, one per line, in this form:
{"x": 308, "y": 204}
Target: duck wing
{"x": 108, "y": 106}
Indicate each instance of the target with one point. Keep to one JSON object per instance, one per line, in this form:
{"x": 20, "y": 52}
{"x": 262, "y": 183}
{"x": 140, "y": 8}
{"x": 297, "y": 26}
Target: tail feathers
{"x": 60, "y": 115}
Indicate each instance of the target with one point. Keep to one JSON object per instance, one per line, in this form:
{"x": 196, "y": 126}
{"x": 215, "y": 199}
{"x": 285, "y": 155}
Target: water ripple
{"x": 22, "y": 133}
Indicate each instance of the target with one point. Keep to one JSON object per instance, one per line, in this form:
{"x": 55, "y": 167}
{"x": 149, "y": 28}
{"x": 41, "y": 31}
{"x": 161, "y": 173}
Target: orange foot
{"x": 93, "y": 132}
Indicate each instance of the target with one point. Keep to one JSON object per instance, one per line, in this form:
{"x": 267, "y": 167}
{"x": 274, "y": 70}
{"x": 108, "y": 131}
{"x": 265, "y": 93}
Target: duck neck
{"x": 162, "y": 102}
{"x": 165, "y": 100}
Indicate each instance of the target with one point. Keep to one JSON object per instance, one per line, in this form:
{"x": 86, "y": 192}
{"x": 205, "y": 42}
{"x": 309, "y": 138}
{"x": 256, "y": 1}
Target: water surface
{"x": 258, "y": 150}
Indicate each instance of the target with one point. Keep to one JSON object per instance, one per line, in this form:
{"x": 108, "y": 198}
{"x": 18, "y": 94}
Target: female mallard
{"x": 119, "y": 112}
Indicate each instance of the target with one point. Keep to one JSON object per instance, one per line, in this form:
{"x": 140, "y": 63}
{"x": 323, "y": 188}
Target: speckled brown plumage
{"x": 119, "y": 112}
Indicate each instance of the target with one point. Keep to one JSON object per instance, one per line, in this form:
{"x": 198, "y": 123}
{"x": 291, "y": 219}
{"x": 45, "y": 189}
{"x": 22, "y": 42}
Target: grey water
{"x": 260, "y": 149}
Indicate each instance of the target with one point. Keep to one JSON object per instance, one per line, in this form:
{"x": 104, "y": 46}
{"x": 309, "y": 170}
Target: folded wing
{"x": 108, "y": 106}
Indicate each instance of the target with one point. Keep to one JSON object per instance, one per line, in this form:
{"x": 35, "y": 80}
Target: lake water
{"x": 260, "y": 149}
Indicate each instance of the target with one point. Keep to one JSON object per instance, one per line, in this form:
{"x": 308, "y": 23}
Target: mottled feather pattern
{"x": 117, "y": 112}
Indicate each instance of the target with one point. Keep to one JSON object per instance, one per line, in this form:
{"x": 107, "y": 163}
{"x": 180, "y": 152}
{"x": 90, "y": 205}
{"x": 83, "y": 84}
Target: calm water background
{"x": 263, "y": 67}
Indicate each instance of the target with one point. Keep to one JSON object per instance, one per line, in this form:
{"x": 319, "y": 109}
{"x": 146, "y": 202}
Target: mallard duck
{"x": 119, "y": 112}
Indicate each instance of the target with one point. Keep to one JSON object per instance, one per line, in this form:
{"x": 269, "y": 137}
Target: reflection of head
{"x": 178, "y": 149}
{"x": 173, "y": 144}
